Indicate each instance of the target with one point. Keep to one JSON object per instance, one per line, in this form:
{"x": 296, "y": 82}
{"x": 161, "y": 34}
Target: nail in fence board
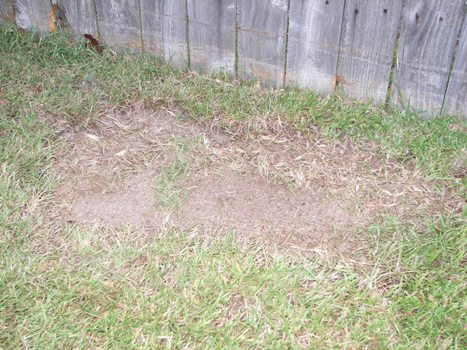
{"x": 313, "y": 44}
{"x": 7, "y": 13}
{"x": 428, "y": 37}
{"x": 369, "y": 33}
{"x": 80, "y": 15}
{"x": 118, "y": 22}
{"x": 261, "y": 40}
{"x": 212, "y": 34}
{"x": 152, "y": 24}
{"x": 33, "y": 14}
{"x": 175, "y": 32}
{"x": 456, "y": 95}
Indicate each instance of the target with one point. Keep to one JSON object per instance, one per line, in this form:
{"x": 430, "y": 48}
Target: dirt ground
{"x": 261, "y": 180}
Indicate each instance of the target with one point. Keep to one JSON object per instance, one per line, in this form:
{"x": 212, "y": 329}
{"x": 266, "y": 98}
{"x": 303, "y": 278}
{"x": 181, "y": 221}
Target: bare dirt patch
{"x": 259, "y": 179}
{"x": 253, "y": 207}
{"x": 109, "y": 170}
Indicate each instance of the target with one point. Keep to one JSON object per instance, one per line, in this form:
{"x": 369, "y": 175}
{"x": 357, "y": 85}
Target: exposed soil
{"x": 261, "y": 179}
{"x": 253, "y": 207}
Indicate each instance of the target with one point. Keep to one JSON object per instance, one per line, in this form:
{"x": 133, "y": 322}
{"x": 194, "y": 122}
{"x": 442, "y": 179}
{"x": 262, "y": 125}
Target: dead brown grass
{"x": 261, "y": 179}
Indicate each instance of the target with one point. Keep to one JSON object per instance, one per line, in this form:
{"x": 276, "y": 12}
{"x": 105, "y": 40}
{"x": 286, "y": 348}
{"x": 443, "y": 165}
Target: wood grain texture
{"x": 118, "y": 22}
{"x": 212, "y": 34}
{"x": 3, "y": 11}
{"x": 152, "y": 19}
{"x": 80, "y": 15}
{"x": 428, "y": 37}
{"x": 313, "y": 44}
{"x": 369, "y": 32}
{"x": 456, "y": 96}
{"x": 262, "y": 26}
{"x": 164, "y": 27}
{"x": 33, "y": 14}
{"x": 348, "y": 41}
{"x": 175, "y": 32}
{"x": 7, "y": 13}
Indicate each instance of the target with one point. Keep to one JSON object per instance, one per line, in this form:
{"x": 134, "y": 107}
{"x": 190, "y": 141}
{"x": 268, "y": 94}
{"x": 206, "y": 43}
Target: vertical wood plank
{"x": 175, "y": 32}
{"x": 3, "y": 11}
{"x": 80, "y": 15}
{"x": 152, "y": 20}
{"x": 262, "y": 28}
{"x": 119, "y": 23}
{"x": 428, "y": 37}
{"x": 33, "y": 14}
{"x": 367, "y": 47}
{"x": 164, "y": 27}
{"x": 7, "y": 13}
{"x": 212, "y": 34}
{"x": 456, "y": 95}
{"x": 313, "y": 44}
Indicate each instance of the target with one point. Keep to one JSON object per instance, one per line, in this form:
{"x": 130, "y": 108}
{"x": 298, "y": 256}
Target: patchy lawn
{"x": 144, "y": 207}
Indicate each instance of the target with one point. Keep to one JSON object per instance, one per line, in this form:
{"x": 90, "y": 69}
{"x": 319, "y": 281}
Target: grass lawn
{"x": 68, "y": 285}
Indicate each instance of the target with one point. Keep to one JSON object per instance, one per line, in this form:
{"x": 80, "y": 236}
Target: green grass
{"x": 65, "y": 287}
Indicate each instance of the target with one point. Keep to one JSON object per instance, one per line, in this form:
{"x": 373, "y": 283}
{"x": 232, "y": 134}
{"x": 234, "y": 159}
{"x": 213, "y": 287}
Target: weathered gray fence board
{"x": 152, "y": 25}
{"x": 33, "y": 13}
{"x": 367, "y": 47}
{"x": 7, "y": 13}
{"x": 456, "y": 96}
{"x": 350, "y": 42}
{"x": 428, "y": 37}
{"x": 212, "y": 34}
{"x": 175, "y": 32}
{"x": 313, "y": 44}
{"x": 118, "y": 22}
{"x": 261, "y": 40}
{"x": 3, "y": 11}
{"x": 80, "y": 15}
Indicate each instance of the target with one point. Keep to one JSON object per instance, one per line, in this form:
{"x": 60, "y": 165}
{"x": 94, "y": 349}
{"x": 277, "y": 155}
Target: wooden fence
{"x": 406, "y": 52}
